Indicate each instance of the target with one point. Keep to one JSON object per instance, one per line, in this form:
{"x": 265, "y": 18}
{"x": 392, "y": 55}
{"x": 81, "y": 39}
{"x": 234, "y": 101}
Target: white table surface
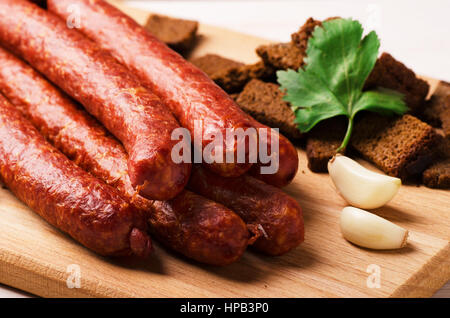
{"x": 415, "y": 32}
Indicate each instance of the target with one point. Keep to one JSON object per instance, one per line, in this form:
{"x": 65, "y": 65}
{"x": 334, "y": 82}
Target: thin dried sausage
{"x": 287, "y": 159}
{"x": 90, "y": 211}
{"x": 269, "y": 211}
{"x": 190, "y": 224}
{"x": 200, "y": 229}
{"x": 107, "y": 89}
{"x": 186, "y": 90}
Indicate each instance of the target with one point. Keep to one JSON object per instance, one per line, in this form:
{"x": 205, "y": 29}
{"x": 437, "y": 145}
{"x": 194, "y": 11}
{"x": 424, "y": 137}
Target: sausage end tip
{"x": 140, "y": 243}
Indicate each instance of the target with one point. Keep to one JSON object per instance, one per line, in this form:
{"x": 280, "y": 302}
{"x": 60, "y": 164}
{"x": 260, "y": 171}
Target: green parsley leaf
{"x": 331, "y": 84}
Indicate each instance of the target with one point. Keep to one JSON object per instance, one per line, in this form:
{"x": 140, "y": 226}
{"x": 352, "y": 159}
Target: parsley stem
{"x": 348, "y": 134}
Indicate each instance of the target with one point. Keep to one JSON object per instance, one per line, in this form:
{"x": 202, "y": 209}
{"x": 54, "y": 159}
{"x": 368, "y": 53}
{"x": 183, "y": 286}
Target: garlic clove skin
{"x": 359, "y": 186}
{"x": 368, "y": 230}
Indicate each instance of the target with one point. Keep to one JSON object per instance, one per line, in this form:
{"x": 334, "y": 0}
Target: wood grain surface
{"x": 39, "y": 259}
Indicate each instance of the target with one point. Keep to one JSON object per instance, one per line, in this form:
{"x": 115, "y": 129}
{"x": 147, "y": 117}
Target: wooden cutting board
{"x": 39, "y": 259}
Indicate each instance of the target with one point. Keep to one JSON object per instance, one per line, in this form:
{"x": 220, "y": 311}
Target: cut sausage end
{"x": 158, "y": 183}
{"x": 283, "y": 235}
{"x": 140, "y": 243}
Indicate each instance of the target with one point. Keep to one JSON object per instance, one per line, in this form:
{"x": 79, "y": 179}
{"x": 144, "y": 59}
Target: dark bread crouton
{"x": 392, "y": 74}
{"x": 281, "y": 56}
{"x": 229, "y": 74}
{"x": 213, "y": 64}
{"x": 400, "y": 146}
{"x": 438, "y": 175}
{"x": 442, "y": 149}
{"x": 234, "y": 79}
{"x": 322, "y": 142}
{"x": 264, "y": 101}
{"x": 179, "y": 34}
{"x": 301, "y": 37}
{"x": 445, "y": 119}
{"x": 234, "y": 96}
{"x": 259, "y": 70}
{"x": 437, "y": 106}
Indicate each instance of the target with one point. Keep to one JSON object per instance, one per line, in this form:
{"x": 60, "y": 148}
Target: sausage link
{"x": 190, "y": 224}
{"x": 200, "y": 229}
{"x": 105, "y": 88}
{"x": 185, "y": 89}
{"x": 67, "y": 197}
{"x": 267, "y": 209}
{"x": 69, "y": 128}
{"x": 287, "y": 159}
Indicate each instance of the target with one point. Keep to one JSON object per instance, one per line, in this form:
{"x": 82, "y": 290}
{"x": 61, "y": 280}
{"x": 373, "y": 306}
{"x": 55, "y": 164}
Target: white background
{"x": 415, "y": 32}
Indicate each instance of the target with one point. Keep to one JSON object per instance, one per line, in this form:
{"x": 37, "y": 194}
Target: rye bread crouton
{"x": 445, "y": 119}
{"x": 229, "y": 74}
{"x": 301, "y": 37}
{"x": 179, "y": 34}
{"x": 213, "y": 63}
{"x": 322, "y": 142}
{"x": 437, "y": 109}
{"x": 400, "y": 146}
{"x": 234, "y": 96}
{"x": 442, "y": 149}
{"x": 392, "y": 74}
{"x": 234, "y": 79}
{"x": 438, "y": 175}
{"x": 281, "y": 56}
{"x": 437, "y": 106}
{"x": 264, "y": 102}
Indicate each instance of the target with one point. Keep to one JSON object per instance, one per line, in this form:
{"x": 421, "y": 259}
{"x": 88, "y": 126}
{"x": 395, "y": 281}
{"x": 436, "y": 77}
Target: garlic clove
{"x": 366, "y": 229}
{"x": 359, "y": 186}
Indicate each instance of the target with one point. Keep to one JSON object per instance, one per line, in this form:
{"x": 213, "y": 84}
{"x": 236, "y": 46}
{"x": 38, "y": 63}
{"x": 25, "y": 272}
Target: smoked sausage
{"x": 268, "y": 210}
{"x": 186, "y": 90}
{"x": 67, "y": 126}
{"x": 200, "y": 229}
{"x": 191, "y": 96}
{"x": 66, "y": 196}
{"x": 190, "y": 224}
{"x": 287, "y": 158}
{"x": 107, "y": 89}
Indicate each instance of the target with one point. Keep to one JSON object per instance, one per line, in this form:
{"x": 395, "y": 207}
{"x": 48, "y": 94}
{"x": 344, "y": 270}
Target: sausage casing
{"x": 66, "y": 125}
{"x": 200, "y": 229}
{"x": 67, "y": 197}
{"x": 190, "y": 224}
{"x": 267, "y": 209}
{"x": 186, "y": 90}
{"x": 105, "y": 88}
{"x": 287, "y": 158}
